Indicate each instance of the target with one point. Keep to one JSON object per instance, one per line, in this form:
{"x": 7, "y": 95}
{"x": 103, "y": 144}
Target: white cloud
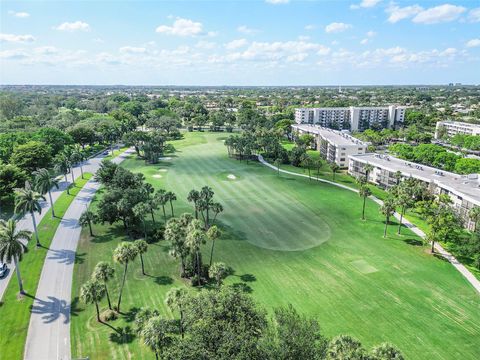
{"x": 397, "y": 13}
{"x": 98, "y": 40}
{"x": 371, "y": 33}
{"x": 474, "y": 15}
{"x": 337, "y": 27}
{"x": 15, "y": 54}
{"x": 132, "y": 50}
{"x": 365, "y": 4}
{"x": 276, "y": 2}
{"x": 364, "y": 41}
{"x": 236, "y": 44}
{"x": 182, "y": 27}
{"x": 73, "y": 26}
{"x": 19, "y": 14}
{"x": 207, "y": 45}
{"x": 473, "y": 43}
{"x": 310, "y": 27}
{"x": 16, "y": 38}
{"x": 46, "y": 50}
{"x": 304, "y": 38}
{"x": 439, "y": 14}
{"x": 246, "y": 30}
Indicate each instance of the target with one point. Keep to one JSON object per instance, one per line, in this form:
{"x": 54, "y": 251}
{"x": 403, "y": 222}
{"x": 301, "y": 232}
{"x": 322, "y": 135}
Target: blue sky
{"x": 256, "y": 42}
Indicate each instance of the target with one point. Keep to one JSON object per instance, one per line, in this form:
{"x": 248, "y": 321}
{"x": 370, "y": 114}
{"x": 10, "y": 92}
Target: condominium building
{"x": 463, "y": 190}
{"x": 334, "y": 146}
{"x": 452, "y": 128}
{"x": 352, "y": 118}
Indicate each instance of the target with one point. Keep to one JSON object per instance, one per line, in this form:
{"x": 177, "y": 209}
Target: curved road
{"x": 48, "y": 334}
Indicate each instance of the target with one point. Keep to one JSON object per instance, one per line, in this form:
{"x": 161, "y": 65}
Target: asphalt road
{"x": 49, "y": 330}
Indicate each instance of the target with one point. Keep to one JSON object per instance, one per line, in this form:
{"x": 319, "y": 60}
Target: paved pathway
{"x": 25, "y": 223}
{"x": 438, "y": 248}
{"x": 49, "y": 330}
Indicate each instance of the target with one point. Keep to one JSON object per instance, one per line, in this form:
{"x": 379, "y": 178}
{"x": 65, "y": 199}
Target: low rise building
{"x": 334, "y": 146}
{"x": 452, "y": 128}
{"x": 463, "y": 190}
{"x": 352, "y": 118}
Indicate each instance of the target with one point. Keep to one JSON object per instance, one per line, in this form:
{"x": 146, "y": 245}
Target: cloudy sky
{"x": 248, "y": 42}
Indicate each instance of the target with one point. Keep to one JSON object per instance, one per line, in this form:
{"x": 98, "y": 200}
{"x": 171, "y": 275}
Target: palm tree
{"x": 306, "y": 162}
{"x": 345, "y": 347}
{"x": 404, "y": 200}
{"x": 170, "y": 196}
{"x": 364, "y": 192}
{"x": 277, "y": 164}
{"x": 139, "y": 211}
{"x": 92, "y": 292}
{"x": 474, "y": 215}
{"x": 194, "y": 196}
{"x": 367, "y": 168}
{"x": 155, "y": 334}
{"x": 386, "y": 351}
{"x": 213, "y": 234}
{"x": 195, "y": 238}
{"x": 61, "y": 167}
{"x": 12, "y": 246}
{"x": 387, "y": 209}
{"x": 176, "y": 299}
{"x": 218, "y": 271}
{"x": 77, "y": 157}
{"x": 334, "y": 167}
{"x": 398, "y": 176}
{"x": 44, "y": 183}
{"x": 217, "y": 208}
{"x": 142, "y": 248}
{"x": 103, "y": 272}
{"x": 161, "y": 199}
{"x": 175, "y": 233}
{"x": 28, "y": 201}
{"x": 206, "y": 196}
{"x": 87, "y": 218}
{"x": 123, "y": 254}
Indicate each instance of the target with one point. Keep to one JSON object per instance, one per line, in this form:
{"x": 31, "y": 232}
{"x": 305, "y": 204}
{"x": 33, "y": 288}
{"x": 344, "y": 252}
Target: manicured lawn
{"x": 15, "y": 312}
{"x": 290, "y": 240}
{"x": 116, "y": 152}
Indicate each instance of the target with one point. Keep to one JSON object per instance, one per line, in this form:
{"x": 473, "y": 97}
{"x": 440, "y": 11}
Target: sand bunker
{"x": 231, "y": 177}
{"x": 162, "y": 170}
{"x": 165, "y": 158}
{"x": 157, "y": 176}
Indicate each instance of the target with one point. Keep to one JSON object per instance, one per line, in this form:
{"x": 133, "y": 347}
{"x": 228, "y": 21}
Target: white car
{"x": 3, "y": 270}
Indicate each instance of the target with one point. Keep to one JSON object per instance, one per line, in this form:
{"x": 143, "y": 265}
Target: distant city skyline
{"x": 257, "y": 43}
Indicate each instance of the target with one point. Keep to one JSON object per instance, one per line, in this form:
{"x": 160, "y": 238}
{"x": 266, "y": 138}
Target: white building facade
{"x": 452, "y": 128}
{"x": 334, "y": 146}
{"x": 463, "y": 190}
{"x": 352, "y": 118}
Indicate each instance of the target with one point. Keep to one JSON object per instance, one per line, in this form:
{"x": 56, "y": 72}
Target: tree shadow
{"x": 52, "y": 310}
{"x": 130, "y": 315}
{"x": 242, "y": 287}
{"x": 75, "y": 309}
{"x": 121, "y": 335}
{"x": 414, "y": 242}
{"x": 440, "y": 257}
{"x": 163, "y": 280}
{"x": 229, "y": 233}
{"x": 248, "y": 278}
{"x": 63, "y": 256}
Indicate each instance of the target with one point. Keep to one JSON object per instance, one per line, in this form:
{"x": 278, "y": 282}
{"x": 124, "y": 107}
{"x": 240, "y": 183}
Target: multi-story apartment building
{"x": 352, "y": 118}
{"x": 452, "y": 128}
{"x": 334, "y": 146}
{"x": 463, "y": 190}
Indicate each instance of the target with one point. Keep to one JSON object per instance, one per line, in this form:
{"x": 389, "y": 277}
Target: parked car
{"x": 3, "y": 270}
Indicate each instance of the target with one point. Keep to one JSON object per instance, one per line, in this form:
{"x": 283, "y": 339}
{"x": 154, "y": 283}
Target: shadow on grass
{"x": 248, "y": 278}
{"x": 121, "y": 335}
{"x": 163, "y": 280}
{"x": 229, "y": 233}
{"x": 130, "y": 315}
{"x": 413, "y": 242}
{"x": 243, "y": 287}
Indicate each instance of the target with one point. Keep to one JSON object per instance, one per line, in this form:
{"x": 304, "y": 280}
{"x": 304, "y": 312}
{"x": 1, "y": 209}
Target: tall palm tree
{"x": 277, "y": 164}
{"x": 61, "y": 167}
{"x": 364, "y": 192}
{"x": 123, "y": 254}
{"x": 474, "y": 215}
{"x": 367, "y": 168}
{"x": 334, "y": 167}
{"x": 44, "y": 183}
{"x": 161, "y": 200}
{"x": 195, "y": 238}
{"x": 87, "y": 219}
{"x": 176, "y": 299}
{"x": 345, "y": 347}
{"x": 77, "y": 157}
{"x": 213, "y": 234}
{"x": 170, "y": 196}
{"x": 155, "y": 334}
{"x": 103, "y": 272}
{"x": 387, "y": 209}
{"x": 217, "y": 208}
{"x": 386, "y": 351}
{"x": 139, "y": 211}
{"x": 218, "y": 271}
{"x": 12, "y": 246}
{"x": 175, "y": 233}
{"x": 92, "y": 292}
{"x": 142, "y": 248}
{"x": 28, "y": 201}
{"x": 194, "y": 196}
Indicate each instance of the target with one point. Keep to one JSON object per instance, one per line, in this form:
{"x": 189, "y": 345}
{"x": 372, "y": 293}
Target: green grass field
{"x": 290, "y": 240}
{"x": 15, "y": 312}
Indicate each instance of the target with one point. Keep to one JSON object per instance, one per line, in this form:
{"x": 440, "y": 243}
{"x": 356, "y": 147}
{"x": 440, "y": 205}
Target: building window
{"x": 342, "y": 159}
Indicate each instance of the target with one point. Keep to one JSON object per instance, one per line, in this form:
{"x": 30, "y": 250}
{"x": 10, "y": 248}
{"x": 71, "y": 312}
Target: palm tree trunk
{"x": 156, "y": 355}
{"x": 81, "y": 170}
{"x": 385, "y": 229}
{"x": 98, "y": 312}
{"x": 363, "y": 208}
{"x": 108, "y": 297}
{"x": 153, "y": 217}
{"x": 171, "y": 208}
{"x": 181, "y": 323}
{"x": 121, "y": 288}
{"x": 73, "y": 176}
{"x": 196, "y": 211}
{"x": 51, "y": 203}
{"x": 433, "y": 246}
{"x": 35, "y": 228}
{"x": 182, "y": 265}
{"x": 145, "y": 229}
{"x": 211, "y": 252}
{"x": 19, "y": 278}
{"x": 401, "y": 219}
{"x": 143, "y": 266}
{"x": 164, "y": 214}
{"x": 198, "y": 267}
{"x": 90, "y": 227}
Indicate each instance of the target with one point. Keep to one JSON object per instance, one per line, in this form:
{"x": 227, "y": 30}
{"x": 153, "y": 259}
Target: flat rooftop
{"x": 462, "y": 185}
{"x": 336, "y": 137}
{"x": 459, "y": 123}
